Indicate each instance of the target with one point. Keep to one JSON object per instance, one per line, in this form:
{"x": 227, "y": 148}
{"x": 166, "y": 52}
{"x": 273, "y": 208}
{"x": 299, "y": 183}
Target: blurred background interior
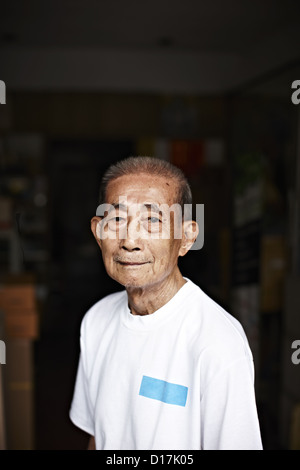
{"x": 206, "y": 85}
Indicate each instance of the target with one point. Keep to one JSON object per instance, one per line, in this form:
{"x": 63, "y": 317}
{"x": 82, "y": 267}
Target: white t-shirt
{"x": 180, "y": 378}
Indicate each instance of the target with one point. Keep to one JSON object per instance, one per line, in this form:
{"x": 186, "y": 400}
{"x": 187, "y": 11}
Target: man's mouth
{"x": 131, "y": 263}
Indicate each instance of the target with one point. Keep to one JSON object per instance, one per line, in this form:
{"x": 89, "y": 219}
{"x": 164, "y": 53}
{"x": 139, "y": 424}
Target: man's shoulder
{"x": 109, "y": 299}
{"x": 103, "y": 309}
{"x": 216, "y": 325}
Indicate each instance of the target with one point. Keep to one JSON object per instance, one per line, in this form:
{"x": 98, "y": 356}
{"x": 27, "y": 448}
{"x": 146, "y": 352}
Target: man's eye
{"x": 117, "y": 221}
{"x": 153, "y": 220}
{"x": 153, "y": 224}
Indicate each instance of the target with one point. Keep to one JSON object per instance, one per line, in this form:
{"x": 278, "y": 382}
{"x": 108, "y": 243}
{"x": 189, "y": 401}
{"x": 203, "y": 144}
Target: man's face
{"x": 138, "y": 246}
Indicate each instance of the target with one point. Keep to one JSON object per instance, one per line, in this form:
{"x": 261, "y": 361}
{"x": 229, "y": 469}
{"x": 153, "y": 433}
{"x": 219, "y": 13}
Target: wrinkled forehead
{"x": 142, "y": 188}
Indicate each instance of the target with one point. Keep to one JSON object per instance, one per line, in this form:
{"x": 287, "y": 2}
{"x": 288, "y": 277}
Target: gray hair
{"x": 152, "y": 166}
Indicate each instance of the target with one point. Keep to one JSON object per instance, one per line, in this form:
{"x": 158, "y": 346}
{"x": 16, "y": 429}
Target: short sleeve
{"x": 81, "y": 409}
{"x": 229, "y": 414}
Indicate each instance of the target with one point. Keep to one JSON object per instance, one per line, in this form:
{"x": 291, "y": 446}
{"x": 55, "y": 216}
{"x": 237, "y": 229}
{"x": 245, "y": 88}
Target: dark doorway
{"x": 76, "y": 280}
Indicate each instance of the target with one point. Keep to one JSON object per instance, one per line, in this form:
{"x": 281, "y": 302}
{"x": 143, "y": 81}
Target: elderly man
{"x": 162, "y": 366}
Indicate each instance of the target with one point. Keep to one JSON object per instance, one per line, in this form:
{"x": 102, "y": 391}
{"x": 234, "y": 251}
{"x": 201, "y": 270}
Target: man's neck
{"x": 146, "y": 300}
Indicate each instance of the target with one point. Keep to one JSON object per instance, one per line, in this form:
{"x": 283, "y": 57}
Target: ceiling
{"x": 231, "y": 26}
{"x": 233, "y": 40}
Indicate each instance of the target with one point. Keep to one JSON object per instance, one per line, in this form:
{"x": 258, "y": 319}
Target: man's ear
{"x": 190, "y": 231}
{"x": 95, "y": 227}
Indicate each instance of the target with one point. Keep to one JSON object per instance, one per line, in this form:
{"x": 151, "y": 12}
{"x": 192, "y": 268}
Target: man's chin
{"x": 131, "y": 277}
{"x": 131, "y": 283}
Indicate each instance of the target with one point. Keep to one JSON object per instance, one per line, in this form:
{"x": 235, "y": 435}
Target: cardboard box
{"x": 19, "y": 306}
{"x": 23, "y": 324}
{"x": 19, "y": 296}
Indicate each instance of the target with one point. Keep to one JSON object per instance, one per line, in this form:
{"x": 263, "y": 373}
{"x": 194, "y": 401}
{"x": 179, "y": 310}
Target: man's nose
{"x": 131, "y": 238}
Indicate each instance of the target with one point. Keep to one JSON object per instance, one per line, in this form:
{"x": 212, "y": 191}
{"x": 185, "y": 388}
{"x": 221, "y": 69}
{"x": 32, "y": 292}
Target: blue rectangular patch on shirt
{"x": 161, "y": 390}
